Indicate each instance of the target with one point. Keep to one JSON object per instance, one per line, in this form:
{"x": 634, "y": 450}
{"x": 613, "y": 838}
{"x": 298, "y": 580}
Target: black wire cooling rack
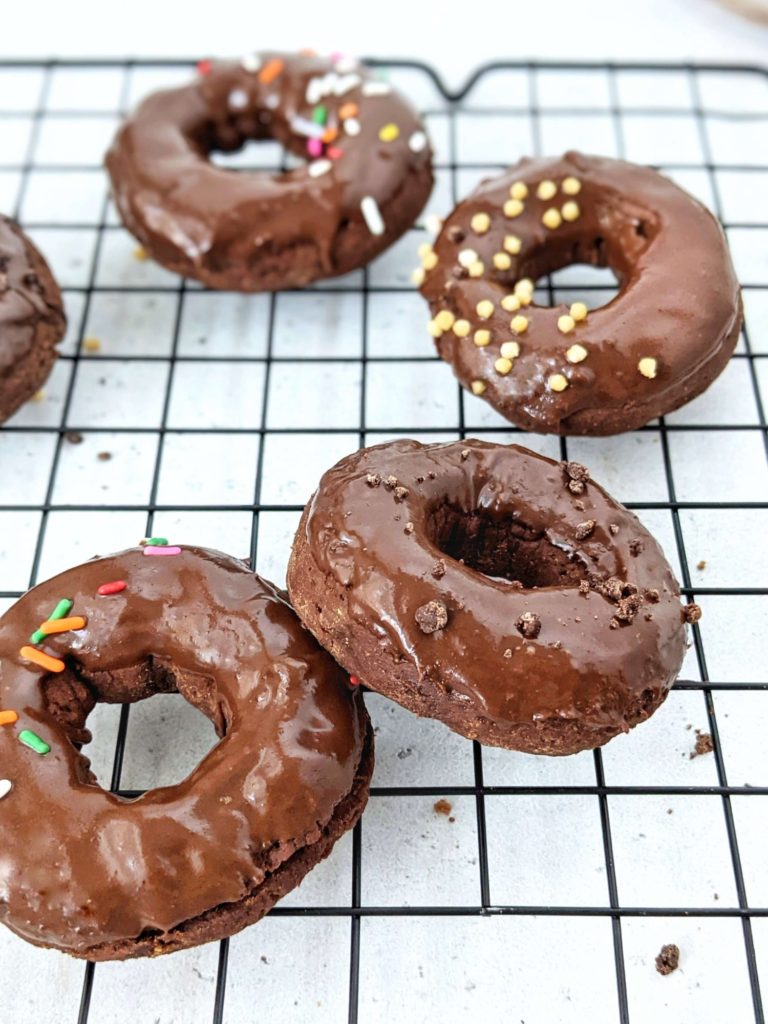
{"x": 718, "y": 117}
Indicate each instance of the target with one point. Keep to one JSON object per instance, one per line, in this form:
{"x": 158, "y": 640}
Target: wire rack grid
{"x": 551, "y": 884}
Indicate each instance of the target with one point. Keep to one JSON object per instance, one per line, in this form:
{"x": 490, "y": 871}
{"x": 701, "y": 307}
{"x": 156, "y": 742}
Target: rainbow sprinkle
{"x": 42, "y": 659}
{"x": 33, "y": 741}
{"x": 62, "y": 608}
{"x": 112, "y": 588}
{"x": 152, "y": 550}
{"x": 8, "y": 717}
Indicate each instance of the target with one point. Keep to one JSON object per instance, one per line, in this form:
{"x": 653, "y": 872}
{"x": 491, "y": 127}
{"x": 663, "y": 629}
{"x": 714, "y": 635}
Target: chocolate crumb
{"x": 508, "y": 652}
{"x": 390, "y": 482}
{"x": 576, "y": 486}
{"x": 529, "y": 625}
{"x": 432, "y": 475}
{"x": 579, "y": 505}
{"x": 652, "y": 596}
{"x": 614, "y": 623}
{"x": 431, "y": 616}
{"x": 704, "y": 745}
{"x": 459, "y": 272}
{"x": 668, "y": 959}
{"x": 635, "y": 547}
{"x": 583, "y": 587}
{"x": 373, "y": 479}
{"x": 701, "y": 566}
{"x": 409, "y": 528}
{"x": 614, "y": 529}
{"x": 465, "y": 454}
{"x": 456, "y": 234}
{"x": 516, "y": 584}
{"x": 401, "y": 493}
{"x": 73, "y": 437}
{"x": 104, "y": 456}
{"x": 691, "y": 613}
{"x": 442, "y": 807}
{"x": 583, "y": 530}
{"x": 451, "y": 819}
{"x": 628, "y": 608}
{"x": 438, "y": 569}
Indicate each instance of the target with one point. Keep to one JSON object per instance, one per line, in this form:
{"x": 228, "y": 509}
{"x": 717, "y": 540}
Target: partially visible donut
{"x": 491, "y": 588}
{"x": 660, "y": 342}
{"x": 103, "y": 877}
{"x": 32, "y": 320}
{"x": 369, "y": 172}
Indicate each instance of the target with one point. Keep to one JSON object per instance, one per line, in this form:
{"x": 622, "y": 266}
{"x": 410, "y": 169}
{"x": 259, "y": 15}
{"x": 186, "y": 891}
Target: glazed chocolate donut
{"x": 104, "y": 877}
{"x": 557, "y": 370}
{"x": 494, "y": 589}
{"x": 32, "y": 320}
{"x": 369, "y": 175}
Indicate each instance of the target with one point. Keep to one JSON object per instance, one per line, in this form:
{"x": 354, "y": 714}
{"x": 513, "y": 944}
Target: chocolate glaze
{"x": 80, "y": 866}
{"x": 31, "y": 318}
{"x": 679, "y": 301}
{"x": 563, "y": 612}
{"x": 249, "y": 230}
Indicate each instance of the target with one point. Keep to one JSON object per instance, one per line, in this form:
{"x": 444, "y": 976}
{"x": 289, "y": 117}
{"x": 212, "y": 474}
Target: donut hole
{"x": 177, "y": 720}
{"x": 502, "y": 547}
{"x": 249, "y": 142}
{"x": 578, "y": 282}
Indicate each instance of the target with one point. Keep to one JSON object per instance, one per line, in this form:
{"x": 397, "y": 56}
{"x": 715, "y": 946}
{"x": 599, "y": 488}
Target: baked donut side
{"x": 568, "y": 369}
{"x": 104, "y": 877}
{"x": 32, "y": 320}
{"x": 491, "y": 588}
{"x": 368, "y": 175}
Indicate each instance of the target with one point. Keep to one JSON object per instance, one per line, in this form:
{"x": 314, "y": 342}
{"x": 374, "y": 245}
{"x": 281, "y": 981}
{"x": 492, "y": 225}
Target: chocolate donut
{"x": 32, "y": 320}
{"x": 369, "y": 172}
{"x": 494, "y": 589}
{"x": 558, "y": 370}
{"x": 104, "y": 877}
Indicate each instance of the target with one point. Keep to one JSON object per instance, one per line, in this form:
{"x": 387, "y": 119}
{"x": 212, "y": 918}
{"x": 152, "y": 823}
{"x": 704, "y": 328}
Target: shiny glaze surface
{"x": 679, "y": 301}
{"x": 377, "y": 544}
{"x": 23, "y": 302}
{"x": 79, "y": 865}
{"x": 192, "y": 213}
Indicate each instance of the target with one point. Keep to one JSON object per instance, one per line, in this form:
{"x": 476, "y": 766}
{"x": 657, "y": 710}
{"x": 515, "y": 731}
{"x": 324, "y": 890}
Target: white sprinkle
{"x": 344, "y": 64}
{"x": 5, "y": 787}
{"x": 372, "y": 215}
{"x": 417, "y": 142}
{"x": 238, "y": 99}
{"x": 272, "y": 101}
{"x": 352, "y": 126}
{"x": 318, "y": 167}
{"x": 318, "y": 87}
{"x": 433, "y": 223}
{"x": 375, "y": 88}
{"x": 251, "y": 62}
{"x": 344, "y": 83}
{"x": 303, "y": 126}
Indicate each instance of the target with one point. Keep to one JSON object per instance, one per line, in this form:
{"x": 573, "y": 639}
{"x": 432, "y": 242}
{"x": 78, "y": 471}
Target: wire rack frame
{"x": 454, "y": 101}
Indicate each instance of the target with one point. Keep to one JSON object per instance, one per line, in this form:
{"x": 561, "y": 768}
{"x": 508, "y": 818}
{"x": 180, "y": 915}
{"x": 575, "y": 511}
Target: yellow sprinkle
{"x": 570, "y": 211}
{"x": 434, "y": 329}
{"x": 39, "y": 396}
{"x": 518, "y": 190}
{"x": 389, "y": 132}
{"x": 140, "y": 253}
{"x": 579, "y": 311}
{"x": 478, "y": 387}
{"x": 551, "y": 218}
{"x": 433, "y": 223}
{"x": 576, "y": 354}
{"x": 557, "y": 382}
{"x": 480, "y": 223}
{"x": 445, "y": 319}
{"x": 417, "y": 276}
{"x": 482, "y": 338}
{"x": 461, "y": 328}
{"x": 519, "y": 324}
{"x": 513, "y": 208}
{"x": 510, "y": 349}
{"x": 525, "y": 284}
{"x": 467, "y": 257}
{"x": 424, "y": 249}
{"x": 91, "y": 344}
{"x": 429, "y": 262}
{"x": 571, "y": 186}
{"x": 477, "y": 269}
{"x": 512, "y": 244}
{"x": 648, "y": 366}
{"x": 546, "y": 189}
{"x": 511, "y": 303}
{"x": 503, "y": 366}
{"x": 502, "y": 260}
{"x": 484, "y": 308}
{"x": 565, "y": 324}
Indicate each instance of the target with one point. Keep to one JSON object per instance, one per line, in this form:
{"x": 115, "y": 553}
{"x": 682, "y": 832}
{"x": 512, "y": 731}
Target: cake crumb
{"x": 401, "y": 493}
{"x": 691, "y": 613}
{"x": 702, "y": 565}
{"x": 704, "y": 745}
{"x": 373, "y": 479}
{"x": 583, "y": 530}
{"x": 73, "y": 437}
{"x": 465, "y": 454}
{"x": 140, "y": 253}
{"x": 91, "y": 344}
{"x": 431, "y": 616}
{"x": 668, "y": 959}
{"x": 529, "y": 625}
{"x": 442, "y": 807}
{"x": 104, "y": 456}
{"x": 39, "y": 396}
{"x": 438, "y": 569}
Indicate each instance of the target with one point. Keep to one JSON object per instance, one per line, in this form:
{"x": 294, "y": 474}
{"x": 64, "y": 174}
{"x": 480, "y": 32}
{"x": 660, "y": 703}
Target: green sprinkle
{"x": 62, "y": 608}
{"x": 320, "y": 115}
{"x": 33, "y": 741}
{"x": 37, "y": 637}
{"x": 156, "y": 542}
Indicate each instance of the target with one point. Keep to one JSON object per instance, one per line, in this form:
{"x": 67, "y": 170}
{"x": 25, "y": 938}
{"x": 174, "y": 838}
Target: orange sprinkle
{"x": 63, "y": 625}
{"x": 43, "y": 660}
{"x": 8, "y": 717}
{"x": 330, "y": 134}
{"x": 348, "y": 110}
{"x": 271, "y": 70}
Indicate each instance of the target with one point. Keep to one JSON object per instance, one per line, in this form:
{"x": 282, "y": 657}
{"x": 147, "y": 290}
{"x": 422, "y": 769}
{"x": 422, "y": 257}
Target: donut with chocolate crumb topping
{"x": 511, "y": 612}
{"x": 571, "y": 368}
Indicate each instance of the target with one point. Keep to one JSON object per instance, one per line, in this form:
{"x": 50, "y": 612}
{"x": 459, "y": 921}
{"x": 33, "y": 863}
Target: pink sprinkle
{"x": 336, "y": 55}
{"x": 315, "y": 147}
{"x": 150, "y": 550}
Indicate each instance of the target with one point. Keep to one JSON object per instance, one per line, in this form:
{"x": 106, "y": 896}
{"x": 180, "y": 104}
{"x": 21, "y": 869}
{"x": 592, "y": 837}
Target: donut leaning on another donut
{"x": 568, "y": 369}
{"x": 104, "y": 877}
{"x": 500, "y": 592}
{"x": 32, "y": 320}
{"x": 369, "y": 172}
